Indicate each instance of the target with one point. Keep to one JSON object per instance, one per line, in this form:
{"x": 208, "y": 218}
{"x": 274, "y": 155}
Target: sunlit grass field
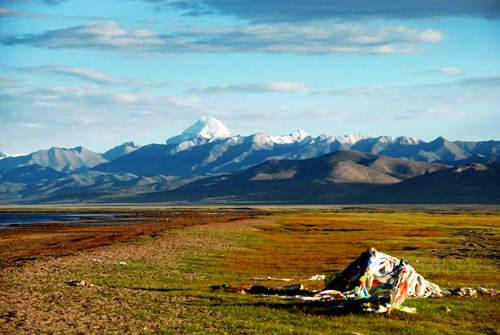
{"x": 164, "y": 288}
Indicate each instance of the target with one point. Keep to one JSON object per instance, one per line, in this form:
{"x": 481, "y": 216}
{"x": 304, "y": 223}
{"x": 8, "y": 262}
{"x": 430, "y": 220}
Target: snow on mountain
{"x": 407, "y": 140}
{"x": 262, "y": 141}
{"x": 207, "y": 147}
{"x": 350, "y": 139}
{"x": 385, "y": 139}
{"x": 120, "y": 150}
{"x": 297, "y": 136}
{"x": 388, "y": 140}
{"x": 207, "y": 128}
{"x": 3, "y": 155}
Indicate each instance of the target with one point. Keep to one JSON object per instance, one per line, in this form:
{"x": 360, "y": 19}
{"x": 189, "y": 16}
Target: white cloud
{"x": 31, "y": 125}
{"x": 6, "y": 12}
{"x": 451, "y": 71}
{"x": 270, "y": 87}
{"x": 431, "y": 35}
{"x": 445, "y": 70}
{"x": 324, "y": 38}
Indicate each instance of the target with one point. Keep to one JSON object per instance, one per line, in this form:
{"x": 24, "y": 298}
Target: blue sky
{"x": 98, "y": 73}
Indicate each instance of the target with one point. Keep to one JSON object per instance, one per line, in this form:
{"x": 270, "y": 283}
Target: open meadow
{"x": 171, "y": 261}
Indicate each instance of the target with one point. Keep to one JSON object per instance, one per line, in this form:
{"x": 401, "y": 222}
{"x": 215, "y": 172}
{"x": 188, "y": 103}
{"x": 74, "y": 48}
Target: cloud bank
{"x": 330, "y": 38}
{"x": 310, "y": 10}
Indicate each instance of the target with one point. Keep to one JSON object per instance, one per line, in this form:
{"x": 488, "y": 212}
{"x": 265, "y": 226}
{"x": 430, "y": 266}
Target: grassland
{"x": 164, "y": 288}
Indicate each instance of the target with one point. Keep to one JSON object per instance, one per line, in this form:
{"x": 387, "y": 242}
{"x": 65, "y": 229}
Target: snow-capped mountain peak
{"x": 297, "y": 136}
{"x": 3, "y": 155}
{"x": 208, "y": 128}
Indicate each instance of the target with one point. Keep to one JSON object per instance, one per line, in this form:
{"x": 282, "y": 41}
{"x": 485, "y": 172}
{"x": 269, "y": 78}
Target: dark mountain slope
{"x": 340, "y": 176}
{"x": 474, "y": 183}
{"x": 30, "y": 174}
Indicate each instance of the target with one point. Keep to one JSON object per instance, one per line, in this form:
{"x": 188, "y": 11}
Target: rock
{"x": 486, "y": 291}
{"x": 465, "y": 292}
{"x": 122, "y": 263}
{"x": 80, "y": 283}
{"x": 445, "y": 309}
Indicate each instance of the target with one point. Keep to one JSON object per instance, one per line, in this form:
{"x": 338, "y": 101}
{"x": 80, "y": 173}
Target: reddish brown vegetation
{"x": 57, "y": 239}
{"x": 313, "y": 243}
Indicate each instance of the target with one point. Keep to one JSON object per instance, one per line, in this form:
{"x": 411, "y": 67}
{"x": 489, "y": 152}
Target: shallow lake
{"x": 7, "y": 219}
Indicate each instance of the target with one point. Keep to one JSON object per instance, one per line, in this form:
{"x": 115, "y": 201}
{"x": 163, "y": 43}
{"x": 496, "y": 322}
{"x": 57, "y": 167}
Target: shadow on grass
{"x": 291, "y": 306}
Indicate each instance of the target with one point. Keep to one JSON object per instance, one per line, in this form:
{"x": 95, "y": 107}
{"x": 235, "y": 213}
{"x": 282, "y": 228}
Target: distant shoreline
{"x": 100, "y": 208}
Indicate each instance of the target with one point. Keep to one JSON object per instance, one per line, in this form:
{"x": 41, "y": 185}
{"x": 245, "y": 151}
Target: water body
{"x": 7, "y": 219}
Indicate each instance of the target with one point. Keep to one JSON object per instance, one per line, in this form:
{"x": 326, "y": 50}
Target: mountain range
{"x": 344, "y": 177}
{"x": 207, "y": 162}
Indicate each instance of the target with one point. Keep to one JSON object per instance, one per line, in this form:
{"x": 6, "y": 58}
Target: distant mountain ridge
{"x": 206, "y": 161}
{"x": 59, "y": 159}
{"x": 66, "y": 160}
{"x": 120, "y": 150}
{"x": 207, "y": 147}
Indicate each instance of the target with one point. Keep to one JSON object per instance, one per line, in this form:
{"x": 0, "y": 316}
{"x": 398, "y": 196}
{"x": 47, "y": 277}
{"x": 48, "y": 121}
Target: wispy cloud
{"x": 90, "y": 75}
{"x": 6, "y": 12}
{"x": 91, "y": 96}
{"x": 481, "y": 81}
{"x": 271, "y": 87}
{"x": 472, "y": 81}
{"x": 12, "y": 13}
{"x": 451, "y": 71}
{"x": 31, "y": 125}
{"x": 53, "y": 2}
{"x": 446, "y": 71}
{"x": 432, "y": 113}
{"x": 265, "y": 38}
